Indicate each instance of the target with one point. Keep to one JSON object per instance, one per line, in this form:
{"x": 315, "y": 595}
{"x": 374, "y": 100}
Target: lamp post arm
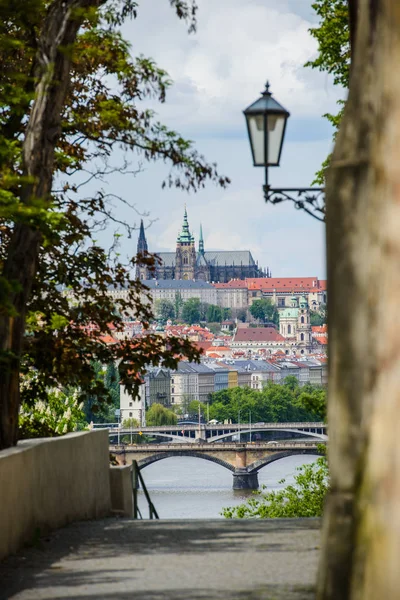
{"x": 311, "y": 200}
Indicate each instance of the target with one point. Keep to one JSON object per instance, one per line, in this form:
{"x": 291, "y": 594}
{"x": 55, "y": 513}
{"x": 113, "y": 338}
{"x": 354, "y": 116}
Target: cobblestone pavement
{"x": 168, "y": 560}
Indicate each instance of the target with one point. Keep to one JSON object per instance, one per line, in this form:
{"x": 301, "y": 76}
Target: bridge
{"x": 216, "y": 433}
{"x": 244, "y": 460}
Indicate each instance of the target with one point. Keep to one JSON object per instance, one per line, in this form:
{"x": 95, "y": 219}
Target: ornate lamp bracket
{"x": 311, "y": 200}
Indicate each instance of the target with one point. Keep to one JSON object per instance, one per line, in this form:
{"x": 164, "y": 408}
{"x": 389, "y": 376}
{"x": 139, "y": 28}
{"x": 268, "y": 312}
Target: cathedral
{"x": 188, "y": 263}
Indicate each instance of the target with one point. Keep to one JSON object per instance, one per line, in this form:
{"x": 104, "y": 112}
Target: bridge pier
{"x": 242, "y": 480}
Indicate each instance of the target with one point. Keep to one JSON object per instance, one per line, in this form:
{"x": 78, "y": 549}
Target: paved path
{"x": 168, "y": 560}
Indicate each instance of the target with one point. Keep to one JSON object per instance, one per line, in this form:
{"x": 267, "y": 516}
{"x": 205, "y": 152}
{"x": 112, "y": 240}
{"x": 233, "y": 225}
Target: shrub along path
{"x": 168, "y": 560}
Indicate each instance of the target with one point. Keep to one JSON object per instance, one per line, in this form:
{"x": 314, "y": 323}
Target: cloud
{"x": 217, "y": 73}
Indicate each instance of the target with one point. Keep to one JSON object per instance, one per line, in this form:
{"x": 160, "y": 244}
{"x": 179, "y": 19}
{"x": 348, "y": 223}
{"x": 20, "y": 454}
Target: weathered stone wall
{"x": 49, "y": 482}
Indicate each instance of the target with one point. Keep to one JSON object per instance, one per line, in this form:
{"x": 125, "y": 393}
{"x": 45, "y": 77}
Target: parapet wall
{"x": 47, "y": 483}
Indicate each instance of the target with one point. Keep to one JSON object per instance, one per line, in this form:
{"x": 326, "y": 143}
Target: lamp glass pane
{"x": 256, "y": 130}
{"x": 276, "y": 124}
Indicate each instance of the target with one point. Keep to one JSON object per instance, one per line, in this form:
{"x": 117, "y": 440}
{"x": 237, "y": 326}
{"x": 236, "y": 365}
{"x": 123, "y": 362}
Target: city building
{"x": 240, "y": 294}
{"x": 158, "y": 387}
{"x": 295, "y": 326}
{"x": 191, "y": 381}
{"x": 132, "y": 407}
{"x": 187, "y": 263}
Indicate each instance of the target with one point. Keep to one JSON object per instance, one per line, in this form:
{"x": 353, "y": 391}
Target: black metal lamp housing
{"x": 266, "y": 125}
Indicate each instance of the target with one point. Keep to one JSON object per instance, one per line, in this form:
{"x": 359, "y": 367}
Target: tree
{"x": 164, "y": 309}
{"x": 191, "y": 311}
{"x": 62, "y": 112}
{"x": 275, "y": 403}
{"x": 178, "y": 303}
{"x": 157, "y": 414}
{"x": 61, "y": 414}
{"x": 360, "y": 529}
{"x": 214, "y": 314}
{"x": 264, "y": 310}
{"x": 316, "y": 319}
{"x": 242, "y": 315}
{"x": 303, "y": 499}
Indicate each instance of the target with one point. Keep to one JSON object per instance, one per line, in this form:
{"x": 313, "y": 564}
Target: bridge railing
{"x": 223, "y": 446}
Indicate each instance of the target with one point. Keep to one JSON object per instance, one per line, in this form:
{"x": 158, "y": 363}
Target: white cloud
{"x": 217, "y": 73}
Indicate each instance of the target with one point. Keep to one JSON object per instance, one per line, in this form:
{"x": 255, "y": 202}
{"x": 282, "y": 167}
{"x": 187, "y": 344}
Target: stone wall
{"x": 49, "y": 482}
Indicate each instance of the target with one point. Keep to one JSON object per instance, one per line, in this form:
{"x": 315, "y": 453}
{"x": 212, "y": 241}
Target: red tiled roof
{"x": 284, "y": 283}
{"x": 219, "y": 349}
{"x": 233, "y": 283}
{"x": 258, "y": 334}
{"x": 202, "y": 345}
{"x": 323, "y": 329}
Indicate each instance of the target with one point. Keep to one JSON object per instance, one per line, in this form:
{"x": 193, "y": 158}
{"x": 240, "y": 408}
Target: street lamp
{"x": 266, "y": 125}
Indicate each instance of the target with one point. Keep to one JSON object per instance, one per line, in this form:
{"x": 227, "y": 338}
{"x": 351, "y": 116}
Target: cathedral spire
{"x": 185, "y": 236}
{"x": 201, "y": 241}
{"x": 142, "y": 242}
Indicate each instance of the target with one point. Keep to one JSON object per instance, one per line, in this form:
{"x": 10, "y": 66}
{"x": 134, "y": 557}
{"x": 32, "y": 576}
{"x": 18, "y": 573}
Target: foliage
{"x": 129, "y": 423}
{"x": 287, "y": 402}
{"x": 178, "y": 303}
{"x": 333, "y": 37}
{"x": 157, "y": 414}
{"x": 313, "y": 400}
{"x": 316, "y": 319}
{"x": 69, "y": 309}
{"x": 242, "y": 315}
{"x": 264, "y": 310}
{"x": 305, "y": 498}
{"x": 164, "y": 309}
{"x": 191, "y": 311}
{"x": 193, "y": 408}
{"x": 97, "y": 411}
{"x": 214, "y": 314}
{"x": 62, "y": 413}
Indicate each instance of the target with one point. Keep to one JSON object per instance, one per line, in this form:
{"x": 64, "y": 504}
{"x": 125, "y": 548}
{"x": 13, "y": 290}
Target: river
{"x": 190, "y": 488}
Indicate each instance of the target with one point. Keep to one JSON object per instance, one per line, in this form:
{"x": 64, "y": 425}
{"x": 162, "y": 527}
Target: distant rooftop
{"x": 176, "y": 284}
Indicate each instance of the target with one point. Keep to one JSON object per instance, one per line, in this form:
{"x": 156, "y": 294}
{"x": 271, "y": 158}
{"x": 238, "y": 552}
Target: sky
{"x": 217, "y": 72}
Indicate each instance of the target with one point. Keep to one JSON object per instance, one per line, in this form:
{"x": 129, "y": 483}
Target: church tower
{"x": 142, "y": 271}
{"x": 202, "y": 268}
{"x": 185, "y": 256}
{"x": 304, "y": 337}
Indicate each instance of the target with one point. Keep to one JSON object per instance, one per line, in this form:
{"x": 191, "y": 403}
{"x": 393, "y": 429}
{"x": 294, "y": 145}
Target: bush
{"x": 305, "y": 498}
{"x": 61, "y": 414}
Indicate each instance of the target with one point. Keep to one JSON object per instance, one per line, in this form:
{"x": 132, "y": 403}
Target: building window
{"x": 289, "y": 329}
{"x": 130, "y": 403}
{"x": 302, "y": 337}
{"x": 172, "y": 380}
{"x": 302, "y": 319}
{"x": 131, "y": 414}
{"x": 172, "y": 390}
{"x": 185, "y": 260}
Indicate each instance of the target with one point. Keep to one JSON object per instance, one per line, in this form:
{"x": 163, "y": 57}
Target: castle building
{"x": 188, "y": 263}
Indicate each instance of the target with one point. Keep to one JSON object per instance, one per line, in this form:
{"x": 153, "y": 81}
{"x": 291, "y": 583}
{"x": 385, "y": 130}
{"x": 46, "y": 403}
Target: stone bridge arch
{"x": 149, "y": 460}
{"x": 267, "y": 460}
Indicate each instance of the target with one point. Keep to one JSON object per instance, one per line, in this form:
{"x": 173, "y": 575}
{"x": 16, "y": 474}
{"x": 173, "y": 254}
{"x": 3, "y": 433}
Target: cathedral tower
{"x": 142, "y": 271}
{"x": 185, "y": 256}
